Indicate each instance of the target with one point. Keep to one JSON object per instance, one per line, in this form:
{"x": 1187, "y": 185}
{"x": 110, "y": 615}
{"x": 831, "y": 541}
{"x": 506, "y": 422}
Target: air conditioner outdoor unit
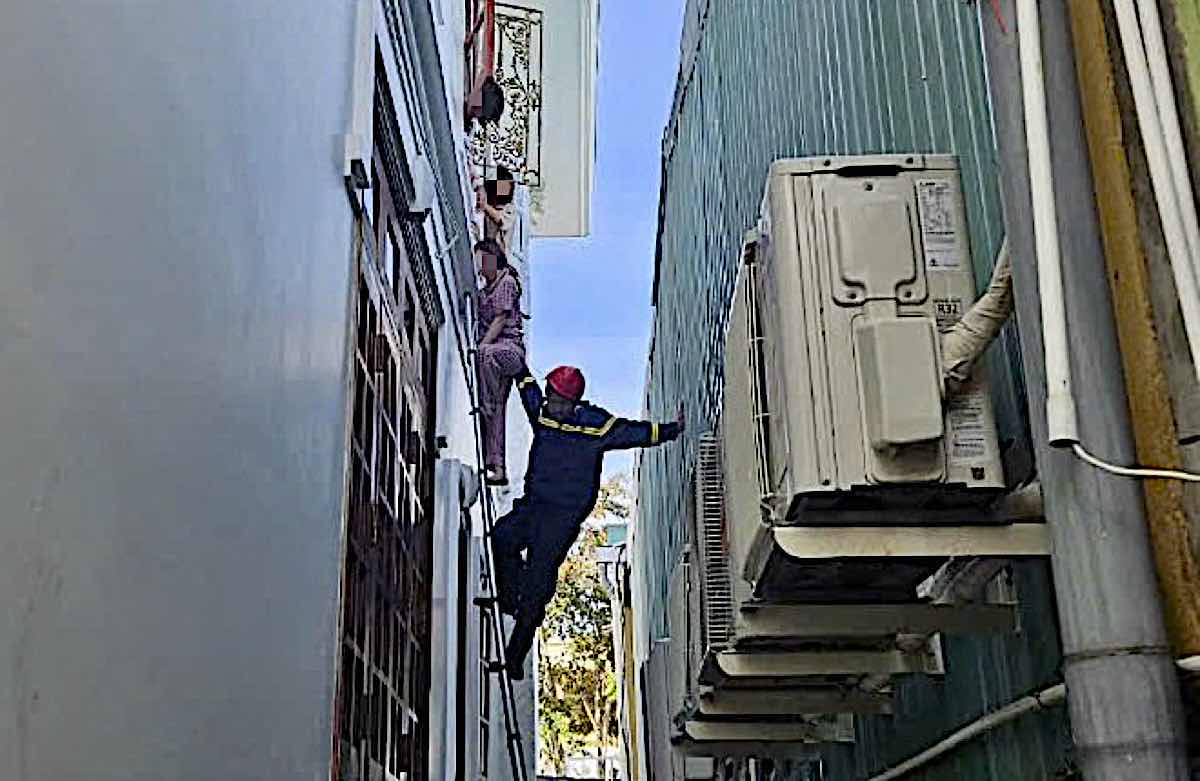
{"x": 693, "y": 736}
{"x": 734, "y": 654}
{"x": 794, "y": 669}
{"x": 857, "y": 265}
{"x": 834, "y": 412}
{"x": 839, "y": 479}
{"x": 699, "y": 769}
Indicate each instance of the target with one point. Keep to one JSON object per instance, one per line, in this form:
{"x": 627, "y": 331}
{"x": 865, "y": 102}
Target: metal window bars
{"x": 381, "y": 725}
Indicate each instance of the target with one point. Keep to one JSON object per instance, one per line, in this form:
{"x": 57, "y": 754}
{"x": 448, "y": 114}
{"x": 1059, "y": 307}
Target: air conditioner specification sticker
{"x": 968, "y": 435}
{"x": 939, "y": 229}
{"x": 947, "y": 312}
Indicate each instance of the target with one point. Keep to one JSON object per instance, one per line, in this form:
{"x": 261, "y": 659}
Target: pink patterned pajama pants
{"x": 499, "y": 363}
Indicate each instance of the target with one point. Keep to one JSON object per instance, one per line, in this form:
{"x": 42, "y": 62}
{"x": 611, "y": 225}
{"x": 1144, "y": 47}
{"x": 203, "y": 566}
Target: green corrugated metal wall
{"x": 763, "y": 79}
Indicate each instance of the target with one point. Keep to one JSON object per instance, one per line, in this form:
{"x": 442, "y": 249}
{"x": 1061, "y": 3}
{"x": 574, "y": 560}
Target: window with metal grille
{"x": 381, "y": 726}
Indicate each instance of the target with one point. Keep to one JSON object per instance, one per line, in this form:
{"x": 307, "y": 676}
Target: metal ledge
{"x": 1019, "y": 540}
{"x": 767, "y": 732}
{"x": 796, "y": 664}
{"x": 745, "y": 749}
{"x": 791, "y": 702}
{"x": 813, "y": 622}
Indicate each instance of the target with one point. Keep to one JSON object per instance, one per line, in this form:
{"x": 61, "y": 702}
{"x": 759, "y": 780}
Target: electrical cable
{"x": 1145, "y": 473}
{"x": 963, "y": 346}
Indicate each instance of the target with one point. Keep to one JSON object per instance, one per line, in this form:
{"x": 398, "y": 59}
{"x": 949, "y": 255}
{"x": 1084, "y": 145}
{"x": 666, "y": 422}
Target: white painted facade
{"x": 176, "y": 299}
{"x": 175, "y": 266}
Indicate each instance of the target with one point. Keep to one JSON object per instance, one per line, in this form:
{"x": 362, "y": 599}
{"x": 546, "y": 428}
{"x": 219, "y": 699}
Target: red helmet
{"x": 566, "y": 381}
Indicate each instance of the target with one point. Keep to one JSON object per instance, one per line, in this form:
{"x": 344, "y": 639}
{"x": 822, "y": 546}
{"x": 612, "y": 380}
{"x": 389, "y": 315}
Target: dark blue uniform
{"x": 562, "y": 483}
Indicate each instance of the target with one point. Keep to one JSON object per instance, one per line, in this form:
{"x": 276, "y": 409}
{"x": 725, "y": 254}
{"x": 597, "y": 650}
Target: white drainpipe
{"x": 1164, "y": 98}
{"x": 1150, "y": 78}
{"x": 1060, "y": 399}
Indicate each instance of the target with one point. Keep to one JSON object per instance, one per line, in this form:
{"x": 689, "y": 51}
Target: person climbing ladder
{"x": 501, "y": 349}
{"x": 562, "y": 483}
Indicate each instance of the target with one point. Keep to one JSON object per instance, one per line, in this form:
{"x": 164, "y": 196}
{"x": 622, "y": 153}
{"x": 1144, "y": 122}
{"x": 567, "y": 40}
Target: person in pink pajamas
{"x": 501, "y": 350}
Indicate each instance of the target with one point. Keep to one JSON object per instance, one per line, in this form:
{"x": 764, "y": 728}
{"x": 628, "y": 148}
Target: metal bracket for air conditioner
{"x": 888, "y": 563}
{"x": 790, "y": 701}
{"x": 1014, "y": 527}
{"x": 1019, "y": 540}
{"x": 833, "y": 663}
{"x": 838, "y": 730}
{"x": 687, "y": 747}
{"x": 765, "y": 624}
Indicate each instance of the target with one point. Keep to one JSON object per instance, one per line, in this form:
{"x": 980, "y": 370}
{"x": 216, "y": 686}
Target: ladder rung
{"x": 489, "y": 604}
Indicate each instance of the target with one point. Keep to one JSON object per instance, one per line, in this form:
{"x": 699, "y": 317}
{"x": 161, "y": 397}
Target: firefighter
{"x": 562, "y": 482}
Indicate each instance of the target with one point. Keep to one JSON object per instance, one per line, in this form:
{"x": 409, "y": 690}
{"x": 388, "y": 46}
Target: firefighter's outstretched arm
{"x": 531, "y": 394}
{"x": 626, "y": 434}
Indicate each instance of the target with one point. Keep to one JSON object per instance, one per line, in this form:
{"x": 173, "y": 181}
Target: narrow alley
{"x": 308, "y": 311}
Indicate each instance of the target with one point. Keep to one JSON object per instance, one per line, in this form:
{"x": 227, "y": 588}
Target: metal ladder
{"x": 489, "y": 604}
{"x": 489, "y": 608}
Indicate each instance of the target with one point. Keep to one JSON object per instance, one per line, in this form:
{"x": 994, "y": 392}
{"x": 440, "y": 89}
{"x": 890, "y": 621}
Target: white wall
{"x": 175, "y": 278}
{"x": 456, "y": 426}
{"x": 450, "y": 21}
{"x": 174, "y": 274}
{"x": 570, "y": 50}
{"x": 450, "y": 18}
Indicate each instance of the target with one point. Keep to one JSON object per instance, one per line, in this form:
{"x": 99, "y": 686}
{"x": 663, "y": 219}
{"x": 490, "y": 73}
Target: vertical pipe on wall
{"x": 1143, "y": 345}
{"x": 1060, "y": 399}
{"x": 1168, "y": 167}
{"x": 1122, "y": 688}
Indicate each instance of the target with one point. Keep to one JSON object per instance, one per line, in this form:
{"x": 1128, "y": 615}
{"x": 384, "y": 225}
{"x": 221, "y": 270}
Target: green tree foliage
{"x": 577, "y": 677}
{"x": 616, "y": 498}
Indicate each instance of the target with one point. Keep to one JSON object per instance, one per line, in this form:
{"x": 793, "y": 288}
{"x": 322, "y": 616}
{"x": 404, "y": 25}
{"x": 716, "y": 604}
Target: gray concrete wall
{"x": 174, "y": 266}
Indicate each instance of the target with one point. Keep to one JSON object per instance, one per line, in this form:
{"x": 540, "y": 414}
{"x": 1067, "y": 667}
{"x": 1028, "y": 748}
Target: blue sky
{"x": 591, "y": 296}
